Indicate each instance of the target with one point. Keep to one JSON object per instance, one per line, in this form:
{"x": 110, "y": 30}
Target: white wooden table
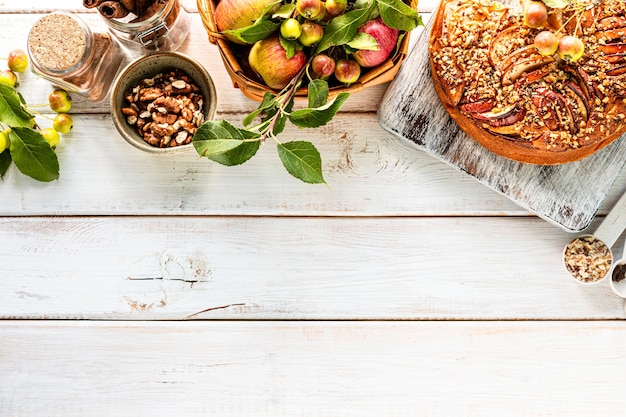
{"x": 138, "y": 285}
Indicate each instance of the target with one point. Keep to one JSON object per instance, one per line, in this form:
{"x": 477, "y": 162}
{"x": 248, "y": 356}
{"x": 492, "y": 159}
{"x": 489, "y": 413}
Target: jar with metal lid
{"x": 160, "y": 25}
{"x": 66, "y": 52}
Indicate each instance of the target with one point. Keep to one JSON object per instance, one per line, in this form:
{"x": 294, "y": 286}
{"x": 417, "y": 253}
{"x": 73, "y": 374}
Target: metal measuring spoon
{"x": 588, "y": 258}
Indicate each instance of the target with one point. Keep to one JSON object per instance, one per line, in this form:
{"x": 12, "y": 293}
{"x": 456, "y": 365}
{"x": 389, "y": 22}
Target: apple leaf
{"x": 5, "y": 162}
{"x": 302, "y": 160}
{"x": 319, "y": 116}
{"x": 365, "y": 41}
{"x": 32, "y": 155}
{"x": 285, "y": 11}
{"x": 224, "y": 143}
{"x": 398, "y": 15}
{"x": 11, "y": 111}
{"x": 267, "y": 103}
{"x": 257, "y": 31}
{"x": 318, "y": 93}
{"x": 341, "y": 29}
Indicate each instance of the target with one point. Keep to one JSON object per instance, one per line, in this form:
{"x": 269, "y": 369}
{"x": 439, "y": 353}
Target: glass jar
{"x": 162, "y": 26}
{"x": 64, "y": 51}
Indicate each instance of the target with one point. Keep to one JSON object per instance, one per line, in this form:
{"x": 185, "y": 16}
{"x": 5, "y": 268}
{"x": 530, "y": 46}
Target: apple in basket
{"x": 237, "y": 14}
{"x": 317, "y": 48}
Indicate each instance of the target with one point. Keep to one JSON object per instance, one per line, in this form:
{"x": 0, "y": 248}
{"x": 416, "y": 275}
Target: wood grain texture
{"x": 567, "y": 195}
{"x": 291, "y": 268}
{"x": 312, "y": 369}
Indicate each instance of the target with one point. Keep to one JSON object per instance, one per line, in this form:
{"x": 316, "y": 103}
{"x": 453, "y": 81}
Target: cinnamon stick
{"x": 113, "y": 9}
{"x": 90, "y": 4}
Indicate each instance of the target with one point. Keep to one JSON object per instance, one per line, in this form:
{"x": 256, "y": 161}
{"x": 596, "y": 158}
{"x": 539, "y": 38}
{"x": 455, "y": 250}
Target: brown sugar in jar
{"x": 67, "y": 53}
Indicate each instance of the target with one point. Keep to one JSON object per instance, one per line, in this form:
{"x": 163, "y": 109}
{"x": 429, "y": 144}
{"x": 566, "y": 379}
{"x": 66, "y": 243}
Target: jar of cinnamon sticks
{"x": 66, "y": 52}
{"x": 153, "y": 25}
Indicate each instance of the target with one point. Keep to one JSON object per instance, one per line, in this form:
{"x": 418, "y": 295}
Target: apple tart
{"x": 522, "y": 105}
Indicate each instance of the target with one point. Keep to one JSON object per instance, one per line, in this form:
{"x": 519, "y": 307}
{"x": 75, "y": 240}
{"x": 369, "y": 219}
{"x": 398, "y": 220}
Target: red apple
{"x": 386, "y": 37}
{"x": 237, "y": 14}
{"x": 268, "y": 58}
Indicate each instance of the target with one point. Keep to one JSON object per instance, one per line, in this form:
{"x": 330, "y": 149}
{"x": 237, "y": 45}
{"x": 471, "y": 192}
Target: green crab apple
{"x": 17, "y": 60}
{"x": 4, "y": 139}
{"x": 571, "y": 48}
{"x": 290, "y": 29}
{"x": 311, "y": 9}
{"x": 335, "y": 7}
{"x": 268, "y": 58}
{"x": 63, "y": 123}
{"x": 60, "y": 101}
{"x": 8, "y": 77}
{"x": 311, "y": 34}
{"x": 237, "y": 14}
{"x": 385, "y": 37}
{"x": 51, "y": 136}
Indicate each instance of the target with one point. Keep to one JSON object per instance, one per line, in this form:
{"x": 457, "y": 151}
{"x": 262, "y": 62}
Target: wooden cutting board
{"x": 567, "y": 195}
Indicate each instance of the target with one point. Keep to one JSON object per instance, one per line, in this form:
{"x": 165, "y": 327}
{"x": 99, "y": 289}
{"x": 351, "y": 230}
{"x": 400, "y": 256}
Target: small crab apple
{"x": 8, "y": 77}
{"x": 347, "y": 71}
{"x": 4, "y": 139}
{"x": 546, "y": 42}
{"x": 335, "y": 7}
{"x": 290, "y": 29}
{"x": 323, "y": 65}
{"x": 60, "y": 101}
{"x": 311, "y": 9}
{"x": 17, "y": 60}
{"x": 571, "y": 48}
{"x": 62, "y": 123}
{"x": 535, "y": 14}
{"x": 312, "y": 33}
{"x": 51, "y": 136}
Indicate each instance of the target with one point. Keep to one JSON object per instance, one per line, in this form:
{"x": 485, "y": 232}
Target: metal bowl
{"x": 147, "y": 67}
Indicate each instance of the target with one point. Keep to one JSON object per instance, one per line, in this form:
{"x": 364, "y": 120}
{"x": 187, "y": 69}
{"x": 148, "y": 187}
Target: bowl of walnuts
{"x": 159, "y": 101}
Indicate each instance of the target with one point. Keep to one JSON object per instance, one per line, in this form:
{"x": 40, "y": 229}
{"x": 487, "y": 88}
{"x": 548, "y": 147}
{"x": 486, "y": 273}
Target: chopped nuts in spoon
{"x": 167, "y": 109}
{"x": 587, "y": 258}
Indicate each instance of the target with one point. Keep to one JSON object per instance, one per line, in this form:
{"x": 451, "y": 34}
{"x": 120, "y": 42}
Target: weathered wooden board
{"x": 218, "y": 267}
{"x": 568, "y": 195}
{"x": 310, "y": 369}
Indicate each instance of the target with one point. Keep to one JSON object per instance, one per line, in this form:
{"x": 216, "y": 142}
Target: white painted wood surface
{"x": 143, "y": 286}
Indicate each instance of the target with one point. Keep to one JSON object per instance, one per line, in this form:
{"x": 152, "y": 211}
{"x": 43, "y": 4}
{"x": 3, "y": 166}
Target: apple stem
{"x": 284, "y": 98}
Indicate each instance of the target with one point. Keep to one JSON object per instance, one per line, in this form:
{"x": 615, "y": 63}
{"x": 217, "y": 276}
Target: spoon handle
{"x": 613, "y": 224}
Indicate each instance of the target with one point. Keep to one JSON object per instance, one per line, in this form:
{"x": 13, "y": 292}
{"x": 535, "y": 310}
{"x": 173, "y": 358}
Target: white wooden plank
{"x": 291, "y": 268}
{"x": 227, "y": 369}
{"x": 102, "y": 174}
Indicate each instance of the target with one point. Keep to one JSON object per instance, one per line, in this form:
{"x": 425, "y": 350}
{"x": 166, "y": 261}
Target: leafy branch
{"x": 27, "y": 147}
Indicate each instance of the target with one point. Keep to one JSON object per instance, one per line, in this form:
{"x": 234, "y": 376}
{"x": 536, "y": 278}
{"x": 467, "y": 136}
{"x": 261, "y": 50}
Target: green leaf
{"x": 32, "y": 155}
{"x": 285, "y": 11}
{"x": 267, "y": 103}
{"x": 364, "y": 41}
{"x": 318, "y": 116}
{"x": 224, "y": 143}
{"x": 556, "y": 4}
{"x": 257, "y": 31}
{"x": 398, "y": 15}
{"x": 341, "y": 29}
{"x": 11, "y": 111}
{"x": 288, "y": 45}
{"x": 302, "y": 160}
{"x": 5, "y": 162}
{"x": 318, "y": 93}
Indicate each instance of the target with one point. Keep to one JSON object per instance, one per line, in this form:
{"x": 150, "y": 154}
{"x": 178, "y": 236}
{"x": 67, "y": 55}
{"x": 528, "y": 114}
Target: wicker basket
{"x": 235, "y": 61}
